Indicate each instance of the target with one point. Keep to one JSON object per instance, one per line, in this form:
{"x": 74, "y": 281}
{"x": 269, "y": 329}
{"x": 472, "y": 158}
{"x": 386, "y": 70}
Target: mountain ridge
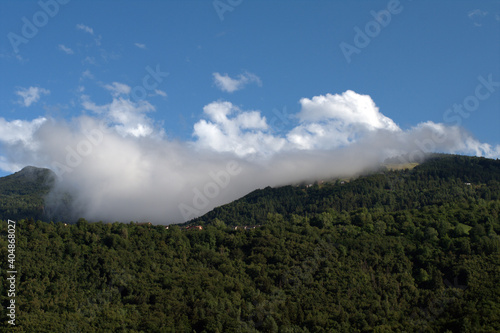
{"x": 473, "y": 170}
{"x": 30, "y": 186}
{"x": 413, "y": 250}
{"x": 22, "y": 193}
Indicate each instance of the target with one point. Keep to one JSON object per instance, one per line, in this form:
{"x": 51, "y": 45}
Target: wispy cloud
{"x": 98, "y": 40}
{"x": 477, "y": 16}
{"x": 65, "y": 49}
{"x": 228, "y": 84}
{"x": 160, "y": 92}
{"x": 13, "y": 55}
{"x": 117, "y": 89}
{"x": 87, "y": 75}
{"x": 31, "y": 95}
{"x": 139, "y": 45}
{"x": 477, "y": 13}
{"x": 89, "y": 60}
{"x": 85, "y": 28}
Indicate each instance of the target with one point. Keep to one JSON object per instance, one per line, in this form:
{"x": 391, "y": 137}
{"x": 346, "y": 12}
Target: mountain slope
{"x": 22, "y": 193}
{"x": 442, "y": 178}
{"x": 395, "y": 251}
{"x": 407, "y": 251}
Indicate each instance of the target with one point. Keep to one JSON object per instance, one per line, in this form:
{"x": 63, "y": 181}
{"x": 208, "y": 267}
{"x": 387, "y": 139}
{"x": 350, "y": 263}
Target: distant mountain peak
{"x": 33, "y": 174}
{"x": 30, "y": 169}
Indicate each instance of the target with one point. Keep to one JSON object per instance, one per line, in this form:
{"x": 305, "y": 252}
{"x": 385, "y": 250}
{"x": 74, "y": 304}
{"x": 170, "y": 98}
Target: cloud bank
{"x": 119, "y": 165}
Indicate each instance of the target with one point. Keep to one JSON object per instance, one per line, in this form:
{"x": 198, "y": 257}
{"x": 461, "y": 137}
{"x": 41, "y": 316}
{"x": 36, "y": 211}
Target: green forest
{"x": 395, "y": 251}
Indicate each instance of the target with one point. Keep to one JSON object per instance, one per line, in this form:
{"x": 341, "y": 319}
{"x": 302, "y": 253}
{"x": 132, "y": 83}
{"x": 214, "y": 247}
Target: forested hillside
{"x": 415, "y": 250}
{"x": 22, "y": 193}
{"x": 441, "y": 179}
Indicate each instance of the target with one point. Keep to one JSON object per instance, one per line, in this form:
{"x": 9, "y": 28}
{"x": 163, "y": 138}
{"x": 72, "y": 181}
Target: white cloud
{"x": 242, "y": 134}
{"x": 329, "y": 121}
{"x": 326, "y": 123}
{"x": 85, "y": 28}
{"x": 431, "y": 137}
{"x": 17, "y": 137}
{"x": 98, "y": 40}
{"x": 160, "y": 92}
{"x": 139, "y": 45}
{"x": 349, "y": 108}
{"x": 31, "y": 95}
{"x": 87, "y": 74}
{"x": 477, "y": 16}
{"x": 20, "y": 131}
{"x": 8, "y": 166}
{"x": 89, "y": 60}
{"x": 119, "y": 166}
{"x": 127, "y": 117}
{"x": 477, "y": 13}
{"x": 117, "y": 89}
{"x": 65, "y": 49}
{"x": 228, "y": 84}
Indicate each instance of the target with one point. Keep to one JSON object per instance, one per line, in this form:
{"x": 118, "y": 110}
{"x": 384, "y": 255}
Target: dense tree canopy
{"x": 22, "y": 194}
{"x": 412, "y": 250}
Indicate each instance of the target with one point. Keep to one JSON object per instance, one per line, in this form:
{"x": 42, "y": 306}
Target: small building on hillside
{"x": 194, "y": 227}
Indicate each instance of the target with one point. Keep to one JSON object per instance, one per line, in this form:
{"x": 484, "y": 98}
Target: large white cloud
{"x": 325, "y": 122}
{"x": 231, "y": 130}
{"x": 15, "y": 131}
{"x": 119, "y": 166}
{"x": 20, "y": 145}
{"x": 349, "y": 108}
{"x": 329, "y": 121}
{"x": 128, "y": 117}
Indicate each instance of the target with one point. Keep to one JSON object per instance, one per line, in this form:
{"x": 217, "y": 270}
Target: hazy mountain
{"x": 405, "y": 250}
{"x": 22, "y": 193}
{"x": 441, "y": 178}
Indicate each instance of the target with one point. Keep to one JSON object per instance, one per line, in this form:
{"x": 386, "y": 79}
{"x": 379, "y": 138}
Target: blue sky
{"x": 281, "y": 65}
{"x": 424, "y": 61}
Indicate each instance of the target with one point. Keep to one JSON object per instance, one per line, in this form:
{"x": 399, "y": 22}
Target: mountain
{"x": 405, "y": 250}
{"x": 442, "y": 178}
{"x": 22, "y": 193}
